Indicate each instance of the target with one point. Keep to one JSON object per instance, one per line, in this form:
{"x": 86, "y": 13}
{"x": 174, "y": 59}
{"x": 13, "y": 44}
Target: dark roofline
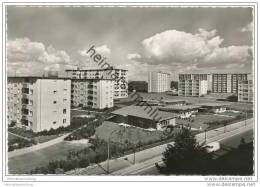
{"x": 37, "y": 77}
{"x": 74, "y": 79}
{"x": 64, "y": 78}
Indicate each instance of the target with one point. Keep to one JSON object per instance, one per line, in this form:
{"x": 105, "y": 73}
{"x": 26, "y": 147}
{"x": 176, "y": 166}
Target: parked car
{"x": 212, "y": 147}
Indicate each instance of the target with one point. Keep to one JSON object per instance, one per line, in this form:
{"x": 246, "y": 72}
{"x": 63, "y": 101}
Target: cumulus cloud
{"x": 247, "y": 28}
{"x": 30, "y": 58}
{"x": 178, "y": 46}
{"x": 200, "y": 50}
{"x": 103, "y": 50}
{"x": 133, "y": 56}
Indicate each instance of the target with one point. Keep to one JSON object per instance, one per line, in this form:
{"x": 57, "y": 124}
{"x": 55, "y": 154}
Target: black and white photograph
{"x": 129, "y": 90}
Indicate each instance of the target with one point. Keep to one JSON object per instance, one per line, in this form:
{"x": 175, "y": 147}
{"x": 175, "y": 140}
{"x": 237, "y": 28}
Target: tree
{"x": 186, "y": 156}
{"x": 232, "y": 98}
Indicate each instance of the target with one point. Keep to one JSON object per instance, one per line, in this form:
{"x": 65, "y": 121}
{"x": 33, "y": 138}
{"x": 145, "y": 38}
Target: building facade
{"x": 198, "y": 76}
{"x": 139, "y": 117}
{"x": 39, "y": 103}
{"x": 158, "y": 82}
{"x": 245, "y": 91}
{"x": 227, "y": 82}
{"x": 119, "y": 76}
{"x": 94, "y": 93}
{"x": 192, "y": 88}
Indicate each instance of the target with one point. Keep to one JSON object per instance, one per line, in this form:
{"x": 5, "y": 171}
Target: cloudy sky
{"x": 174, "y": 40}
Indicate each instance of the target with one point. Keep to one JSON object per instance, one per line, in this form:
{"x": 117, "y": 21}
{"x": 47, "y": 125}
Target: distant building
{"x": 227, "y": 82}
{"x": 158, "y": 82}
{"x": 143, "y": 117}
{"x": 198, "y": 76}
{"x": 192, "y": 88}
{"x": 245, "y": 91}
{"x": 39, "y": 103}
{"x": 119, "y": 76}
{"x": 183, "y": 111}
{"x": 94, "y": 93}
{"x": 213, "y": 107}
{"x": 139, "y": 86}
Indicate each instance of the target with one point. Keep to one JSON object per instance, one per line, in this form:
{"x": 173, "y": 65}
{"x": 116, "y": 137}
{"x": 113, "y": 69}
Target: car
{"x": 212, "y": 147}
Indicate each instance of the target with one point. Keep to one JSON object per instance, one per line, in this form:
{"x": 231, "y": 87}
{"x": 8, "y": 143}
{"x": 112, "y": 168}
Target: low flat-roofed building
{"x": 173, "y": 102}
{"x": 144, "y": 116}
{"x": 184, "y": 111}
{"x": 213, "y": 107}
{"x": 151, "y": 102}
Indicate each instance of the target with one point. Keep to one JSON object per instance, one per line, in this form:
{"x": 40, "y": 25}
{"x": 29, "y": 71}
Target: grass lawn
{"x": 131, "y": 134}
{"x": 42, "y": 139}
{"x": 242, "y": 106}
{"x": 78, "y": 112}
{"x": 23, "y": 164}
{"x": 12, "y": 137}
{"x": 201, "y": 120}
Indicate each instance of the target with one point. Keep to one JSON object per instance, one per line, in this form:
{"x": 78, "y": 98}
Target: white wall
{"x": 49, "y": 114}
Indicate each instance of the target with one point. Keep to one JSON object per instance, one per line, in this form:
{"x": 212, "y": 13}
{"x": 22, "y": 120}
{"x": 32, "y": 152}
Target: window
{"x": 64, "y": 100}
{"x": 54, "y": 102}
{"x": 55, "y": 91}
{"x": 64, "y": 111}
{"x": 64, "y": 121}
{"x": 54, "y": 122}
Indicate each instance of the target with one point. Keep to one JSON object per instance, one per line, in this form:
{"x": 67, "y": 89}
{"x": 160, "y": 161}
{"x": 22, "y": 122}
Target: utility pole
{"x": 205, "y": 135}
{"x": 108, "y": 151}
{"x": 134, "y": 153}
{"x": 245, "y": 118}
{"x": 108, "y": 154}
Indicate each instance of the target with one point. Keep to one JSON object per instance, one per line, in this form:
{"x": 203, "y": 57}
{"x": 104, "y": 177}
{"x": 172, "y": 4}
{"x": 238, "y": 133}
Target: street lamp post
{"x": 108, "y": 151}
{"x": 205, "y": 134}
{"x": 245, "y": 118}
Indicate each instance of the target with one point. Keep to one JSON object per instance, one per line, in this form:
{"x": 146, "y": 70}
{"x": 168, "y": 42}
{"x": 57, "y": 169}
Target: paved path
{"x": 18, "y": 152}
{"x": 121, "y": 166}
{"x": 25, "y": 138}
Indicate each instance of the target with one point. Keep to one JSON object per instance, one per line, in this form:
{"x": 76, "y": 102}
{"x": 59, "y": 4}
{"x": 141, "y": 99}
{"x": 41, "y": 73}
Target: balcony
{"x": 26, "y": 85}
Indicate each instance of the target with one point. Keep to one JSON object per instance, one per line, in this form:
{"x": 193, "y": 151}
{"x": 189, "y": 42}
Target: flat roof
{"x": 143, "y": 112}
{"x": 75, "y": 79}
{"x": 212, "y": 104}
{"x": 36, "y": 77}
{"x": 173, "y": 100}
{"x": 179, "y": 108}
{"x": 95, "y": 69}
{"x": 65, "y": 78}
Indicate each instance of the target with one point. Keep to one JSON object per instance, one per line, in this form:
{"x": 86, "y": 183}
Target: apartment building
{"x": 158, "y": 82}
{"x": 119, "y": 76}
{"x": 198, "y": 76}
{"x": 227, "y": 82}
{"x": 192, "y": 88}
{"x": 39, "y": 103}
{"x": 94, "y": 93}
{"x": 245, "y": 91}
